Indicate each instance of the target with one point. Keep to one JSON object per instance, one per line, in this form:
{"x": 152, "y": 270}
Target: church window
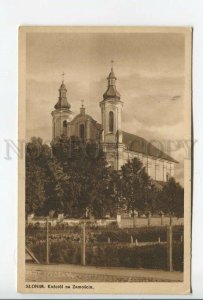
{"x": 65, "y": 125}
{"x": 82, "y": 131}
{"x": 111, "y": 121}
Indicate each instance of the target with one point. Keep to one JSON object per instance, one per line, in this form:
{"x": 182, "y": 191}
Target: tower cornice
{"x": 111, "y": 101}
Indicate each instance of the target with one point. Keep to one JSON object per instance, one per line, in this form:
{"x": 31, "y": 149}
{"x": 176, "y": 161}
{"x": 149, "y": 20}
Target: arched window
{"x": 111, "y": 121}
{"x": 82, "y": 131}
{"x": 65, "y": 125}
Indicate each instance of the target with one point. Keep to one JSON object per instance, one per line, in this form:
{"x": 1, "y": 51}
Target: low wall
{"x": 71, "y": 222}
{"x": 154, "y": 221}
{"x": 121, "y": 222}
{"x": 98, "y": 222}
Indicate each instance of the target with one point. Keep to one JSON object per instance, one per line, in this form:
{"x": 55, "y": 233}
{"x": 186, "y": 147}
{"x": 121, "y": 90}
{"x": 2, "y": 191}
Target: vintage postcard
{"x": 105, "y": 164}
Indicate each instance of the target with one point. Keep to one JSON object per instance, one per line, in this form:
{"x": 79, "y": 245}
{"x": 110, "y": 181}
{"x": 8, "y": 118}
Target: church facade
{"x": 118, "y": 145}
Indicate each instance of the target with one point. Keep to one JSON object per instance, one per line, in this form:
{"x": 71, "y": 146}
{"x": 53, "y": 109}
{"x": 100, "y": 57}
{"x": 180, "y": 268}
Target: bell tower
{"x": 62, "y": 114}
{"x": 111, "y": 116}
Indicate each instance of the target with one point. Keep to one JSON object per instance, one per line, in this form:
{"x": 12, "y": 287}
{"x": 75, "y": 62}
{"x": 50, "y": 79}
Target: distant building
{"x": 119, "y": 145}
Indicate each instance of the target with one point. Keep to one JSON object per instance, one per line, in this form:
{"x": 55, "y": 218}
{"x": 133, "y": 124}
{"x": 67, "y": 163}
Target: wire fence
{"x": 146, "y": 247}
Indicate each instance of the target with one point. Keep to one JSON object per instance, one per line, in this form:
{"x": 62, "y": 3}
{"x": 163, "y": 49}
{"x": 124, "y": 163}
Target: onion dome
{"x": 62, "y": 100}
{"x": 111, "y": 91}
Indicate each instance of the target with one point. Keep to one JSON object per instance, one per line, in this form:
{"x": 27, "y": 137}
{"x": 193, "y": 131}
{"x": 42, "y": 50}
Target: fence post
{"x": 83, "y": 262}
{"x": 109, "y": 240}
{"x": 162, "y": 218}
{"x": 118, "y": 219}
{"x": 149, "y": 218}
{"x": 131, "y": 239}
{"x": 47, "y": 252}
{"x": 134, "y": 221}
{"x": 170, "y": 248}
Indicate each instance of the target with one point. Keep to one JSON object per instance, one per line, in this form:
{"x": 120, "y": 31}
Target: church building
{"x": 119, "y": 146}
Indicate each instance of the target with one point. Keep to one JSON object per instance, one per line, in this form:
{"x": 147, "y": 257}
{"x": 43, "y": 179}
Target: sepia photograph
{"x": 105, "y": 176}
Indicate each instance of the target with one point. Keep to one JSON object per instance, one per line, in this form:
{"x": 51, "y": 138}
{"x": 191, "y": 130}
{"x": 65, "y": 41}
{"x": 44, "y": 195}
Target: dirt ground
{"x": 78, "y": 273}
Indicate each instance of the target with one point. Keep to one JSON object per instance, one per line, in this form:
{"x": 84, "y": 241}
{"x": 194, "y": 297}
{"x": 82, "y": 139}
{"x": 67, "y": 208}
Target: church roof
{"x": 62, "y": 103}
{"x": 111, "y": 92}
{"x": 111, "y": 74}
{"x": 62, "y": 99}
{"x": 84, "y": 116}
{"x": 63, "y": 86}
{"x": 138, "y": 144}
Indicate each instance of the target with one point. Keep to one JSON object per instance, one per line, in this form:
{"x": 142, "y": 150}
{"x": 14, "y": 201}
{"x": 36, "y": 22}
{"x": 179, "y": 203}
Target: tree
{"x": 136, "y": 185}
{"x": 88, "y": 187}
{"x": 75, "y": 178}
{"x": 35, "y": 175}
{"x": 117, "y": 198}
{"x": 44, "y": 179}
{"x": 171, "y": 198}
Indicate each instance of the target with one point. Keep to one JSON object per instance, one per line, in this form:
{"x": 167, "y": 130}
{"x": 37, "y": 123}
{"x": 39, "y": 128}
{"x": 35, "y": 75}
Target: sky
{"x": 150, "y": 78}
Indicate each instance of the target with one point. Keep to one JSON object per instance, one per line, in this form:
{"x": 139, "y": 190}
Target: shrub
{"x": 111, "y": 255}
{"x": 65, "y": 246}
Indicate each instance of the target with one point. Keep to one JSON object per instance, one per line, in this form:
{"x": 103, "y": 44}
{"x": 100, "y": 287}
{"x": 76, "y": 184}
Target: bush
{"x": 111, "y": 255}
{"x": 143, "y": 234}
{"x": 65, "y": 246}
{"x": 178, "y": 256}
